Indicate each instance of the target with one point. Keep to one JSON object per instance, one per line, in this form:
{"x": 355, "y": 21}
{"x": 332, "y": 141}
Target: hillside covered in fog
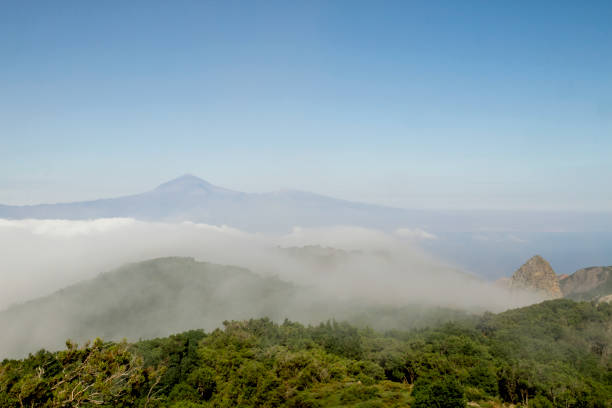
{"x": 169, "y": 295}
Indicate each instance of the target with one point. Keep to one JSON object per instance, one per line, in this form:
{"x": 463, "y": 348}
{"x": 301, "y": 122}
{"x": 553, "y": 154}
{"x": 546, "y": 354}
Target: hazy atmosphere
{"x": 446, "y": 105}
{"x": 46, "y": 255}
{"x": 306, "y": 204}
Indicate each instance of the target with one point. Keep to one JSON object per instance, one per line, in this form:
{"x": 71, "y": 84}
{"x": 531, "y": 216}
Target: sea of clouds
{"x": 43, "y": 256}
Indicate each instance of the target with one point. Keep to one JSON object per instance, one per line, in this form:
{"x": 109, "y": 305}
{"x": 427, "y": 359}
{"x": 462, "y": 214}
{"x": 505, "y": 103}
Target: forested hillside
{"x": 142, "y": 300}
{"x": 554, "y": 354}
{"x": 162, "y": 296}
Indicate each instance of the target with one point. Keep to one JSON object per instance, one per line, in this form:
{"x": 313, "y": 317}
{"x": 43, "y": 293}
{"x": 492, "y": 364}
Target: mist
{"x": 43, "y": 256}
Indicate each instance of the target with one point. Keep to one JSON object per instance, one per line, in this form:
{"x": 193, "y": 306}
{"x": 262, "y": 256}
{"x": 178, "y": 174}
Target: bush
{"x": 304, "y": 401}
{"x": 483, "y": 377}
{"x": 203, "y": 381}
{"x": 183, "y": 392}
{"x": 540, "y": 402}
{"x": 446, "y": 393}
{"x": 475, "y": 394}
{"x": 359, "y": 393}
{"x": 187, "y": 404}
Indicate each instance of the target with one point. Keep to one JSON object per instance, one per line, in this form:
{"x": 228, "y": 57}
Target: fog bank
{"x": 42, "y": 256}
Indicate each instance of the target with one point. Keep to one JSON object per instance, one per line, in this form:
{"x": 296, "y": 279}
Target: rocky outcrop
{"x": 538, "y": 276}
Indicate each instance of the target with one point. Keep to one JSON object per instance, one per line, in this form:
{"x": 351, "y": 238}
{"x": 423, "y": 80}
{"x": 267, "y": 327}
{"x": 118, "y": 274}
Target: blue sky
{"x": 459, "y": 104}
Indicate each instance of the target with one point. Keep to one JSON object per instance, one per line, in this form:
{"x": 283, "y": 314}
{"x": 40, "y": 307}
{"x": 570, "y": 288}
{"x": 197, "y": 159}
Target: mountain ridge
{"x": 190, "y": 198}
{"x": 588, "y": 283}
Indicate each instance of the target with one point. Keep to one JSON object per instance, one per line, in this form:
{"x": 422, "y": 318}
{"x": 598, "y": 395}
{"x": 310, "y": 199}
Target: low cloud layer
{"x": 415, "y": 233}
{"x": 42, "y": 256}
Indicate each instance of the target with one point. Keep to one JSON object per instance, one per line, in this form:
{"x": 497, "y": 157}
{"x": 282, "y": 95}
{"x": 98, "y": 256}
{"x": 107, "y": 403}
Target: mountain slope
{"x": 588, "y": 283}
{"x": 147, "y": 299}
{"x": 168, "y": 295}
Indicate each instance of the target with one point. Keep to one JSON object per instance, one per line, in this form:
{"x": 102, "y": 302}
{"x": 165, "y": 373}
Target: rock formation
{"x": 537, "y": 275}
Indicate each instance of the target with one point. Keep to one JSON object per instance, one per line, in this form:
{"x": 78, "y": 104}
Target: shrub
{"x": 446, "y": 393}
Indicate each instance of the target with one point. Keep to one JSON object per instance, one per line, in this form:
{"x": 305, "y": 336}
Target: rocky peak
{"x": 186, "y": 182}
{"x": 537, "y": 275}
{"x": 190, "y": 184}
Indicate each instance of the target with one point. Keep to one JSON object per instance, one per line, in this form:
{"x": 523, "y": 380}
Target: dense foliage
{"x": 554, "y": 354}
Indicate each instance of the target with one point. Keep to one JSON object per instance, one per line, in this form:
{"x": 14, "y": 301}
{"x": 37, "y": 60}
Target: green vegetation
{"x": 554, "y": 354}
{"x": 162, "y": 296}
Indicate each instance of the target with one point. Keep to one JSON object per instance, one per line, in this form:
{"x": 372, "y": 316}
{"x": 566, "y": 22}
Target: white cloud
{"x": 414, "y": 233}
{"x": 42, "y": 256}
{"x": 514, "y": 238}
{"x": 65, "y": 228}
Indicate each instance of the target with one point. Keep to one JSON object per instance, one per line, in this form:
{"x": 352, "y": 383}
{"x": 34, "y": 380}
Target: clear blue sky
{"x": 459, "y": 104}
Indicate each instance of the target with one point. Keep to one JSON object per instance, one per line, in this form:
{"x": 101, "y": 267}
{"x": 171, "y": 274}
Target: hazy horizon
{"x": 144, "y": 189}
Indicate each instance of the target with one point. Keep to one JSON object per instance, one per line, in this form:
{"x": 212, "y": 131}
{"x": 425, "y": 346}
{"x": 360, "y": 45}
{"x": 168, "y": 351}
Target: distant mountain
{"x": 588, "y": 283}
{"x": 189, "y": 198}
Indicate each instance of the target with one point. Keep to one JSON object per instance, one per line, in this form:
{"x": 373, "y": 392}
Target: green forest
{"x": 554, "y": 354}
